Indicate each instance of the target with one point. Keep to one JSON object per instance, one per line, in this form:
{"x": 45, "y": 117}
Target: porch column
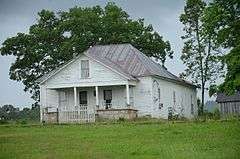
{"x": 97, "y": 99}
{"x": 75, "y": 96}
{"x": 127, "y": 95}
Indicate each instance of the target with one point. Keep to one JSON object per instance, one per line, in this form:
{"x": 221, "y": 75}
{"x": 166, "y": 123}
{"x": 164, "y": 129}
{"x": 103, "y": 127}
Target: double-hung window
{"x": 84, "y": 68}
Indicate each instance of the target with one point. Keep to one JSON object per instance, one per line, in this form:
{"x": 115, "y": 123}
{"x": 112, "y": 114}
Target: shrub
{"x": 22, "y": 122}
{"x": 216, "y": 114}
{"x": 3, "y": 121}
{"x": 121, "y": 119}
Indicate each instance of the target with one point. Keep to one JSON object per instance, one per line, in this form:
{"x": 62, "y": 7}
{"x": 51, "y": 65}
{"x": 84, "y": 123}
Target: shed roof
{"x": 221, "y": 97}
{"x": 128, "y": 61}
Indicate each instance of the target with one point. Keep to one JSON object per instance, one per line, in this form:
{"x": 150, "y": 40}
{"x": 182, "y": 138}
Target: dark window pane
{"x": 107, "y": 94}
{"x": 83, "y": 97}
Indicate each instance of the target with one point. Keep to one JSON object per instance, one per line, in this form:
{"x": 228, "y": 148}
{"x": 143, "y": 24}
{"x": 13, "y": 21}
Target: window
{"x": 107, "y": 94}
{"x": 63, "y": 100}
{"x": 84, "y": 68}
{"x": 63, "y": 96}
{"x": 159, "y": 95}
{"x": 174, "y": 98}
{"x": 192, "y": 110}
{"x": 160, "y": 105}
{"x": 83, "y": 97}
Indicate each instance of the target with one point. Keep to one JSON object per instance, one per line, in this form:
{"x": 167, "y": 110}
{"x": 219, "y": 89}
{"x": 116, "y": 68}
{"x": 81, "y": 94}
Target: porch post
{"x": 127, "y": 95}
{"x": 75, "y": 96}
{"x": 97, "y": 99}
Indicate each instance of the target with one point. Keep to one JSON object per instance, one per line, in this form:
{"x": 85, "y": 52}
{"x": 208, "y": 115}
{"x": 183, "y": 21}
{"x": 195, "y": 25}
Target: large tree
{"x": 199, "y": 54}
{"x": 56, "y": 37}
{"x": 224, "y": 18}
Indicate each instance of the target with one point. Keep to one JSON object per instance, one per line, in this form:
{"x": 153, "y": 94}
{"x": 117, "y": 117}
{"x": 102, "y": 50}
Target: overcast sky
{"x": 18, "y": 15}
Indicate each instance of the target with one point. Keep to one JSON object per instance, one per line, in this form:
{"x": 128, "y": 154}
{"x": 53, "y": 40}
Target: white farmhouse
{"x": 113, "y": 81}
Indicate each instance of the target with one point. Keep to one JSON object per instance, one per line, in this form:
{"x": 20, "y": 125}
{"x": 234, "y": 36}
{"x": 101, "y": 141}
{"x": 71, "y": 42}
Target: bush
{"x": 121, "y": 119}
{"x": 22, "y": 122}
{"x": 3, "y": 121}
{"x": 216, "y": 114}
{"x": 209, "y": 116}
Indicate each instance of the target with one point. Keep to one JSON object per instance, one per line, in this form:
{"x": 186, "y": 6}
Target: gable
{"x": 122, "y": 59}
{"x": 72, "y": 73}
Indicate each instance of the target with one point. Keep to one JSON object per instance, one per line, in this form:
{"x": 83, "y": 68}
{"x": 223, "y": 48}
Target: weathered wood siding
{"x": 71, "y": 75}
{"x": 182, "y": 98}
{"x": 143, "y": 96}
{"x": 229, "y": 108}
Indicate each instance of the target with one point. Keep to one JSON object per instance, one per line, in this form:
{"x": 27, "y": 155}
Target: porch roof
{"x": 113, "y": 83}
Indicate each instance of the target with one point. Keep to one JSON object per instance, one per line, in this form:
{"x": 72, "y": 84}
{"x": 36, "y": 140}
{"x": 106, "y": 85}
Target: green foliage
{"x": 55, "y": 38}
{"x": 199, "y": 54}
{"x": 10, "y": 113}
{"x": 22, "y": 121}
{"x": 223, "y": 18}
{"x": 213, "y": 139}
{"x": 213, "y": 89}
{"x": 232, "y": 80}
{"x": 216, "y": 114}
{"x": 3, "y": 122}
{"x": 206, "y": 116}
{"x": 121, "y": 119}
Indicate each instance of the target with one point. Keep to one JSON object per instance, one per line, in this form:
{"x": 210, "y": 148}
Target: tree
{"x": 198, "y": 54}
{"x": 55, "y": 38}
{"x": 224, "y": 17}
{"x": 9, "y": 112}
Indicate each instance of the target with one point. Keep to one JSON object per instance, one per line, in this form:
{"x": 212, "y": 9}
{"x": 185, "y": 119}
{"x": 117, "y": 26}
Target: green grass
{"x": 122, "y": 140}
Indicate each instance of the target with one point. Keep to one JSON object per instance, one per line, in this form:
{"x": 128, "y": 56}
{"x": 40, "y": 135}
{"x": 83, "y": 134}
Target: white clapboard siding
{"x": 142, "y": 96}
{"x": 182, "y": 97}
{"x": 72, "y": 75}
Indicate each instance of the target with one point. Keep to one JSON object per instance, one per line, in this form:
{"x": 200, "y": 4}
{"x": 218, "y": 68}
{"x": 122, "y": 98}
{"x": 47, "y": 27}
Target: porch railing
{"x": 78, "y": 114}
{"x": 117, "y": 104}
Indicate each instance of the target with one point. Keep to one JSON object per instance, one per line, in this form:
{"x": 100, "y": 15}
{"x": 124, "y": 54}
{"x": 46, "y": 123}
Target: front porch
{"x": 84, "y": 104}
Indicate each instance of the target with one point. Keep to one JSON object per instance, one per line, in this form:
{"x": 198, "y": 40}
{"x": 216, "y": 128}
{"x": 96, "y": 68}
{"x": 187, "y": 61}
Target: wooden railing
{"x": 117, "y": 104}
{"x": 77, "y": 114}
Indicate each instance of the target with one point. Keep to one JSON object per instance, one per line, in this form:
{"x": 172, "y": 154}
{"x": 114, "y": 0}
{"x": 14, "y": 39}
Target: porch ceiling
{"x": 131, "y": 83}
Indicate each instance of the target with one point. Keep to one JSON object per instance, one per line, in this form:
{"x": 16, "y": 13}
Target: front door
{"x": 107, "y": 98}
{"x": 83, "y": 98}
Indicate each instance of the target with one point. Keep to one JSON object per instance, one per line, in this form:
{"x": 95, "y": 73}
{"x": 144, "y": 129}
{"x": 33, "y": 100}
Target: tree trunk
{"x": 202, "y": 105}
{"x": 201, "y": 67}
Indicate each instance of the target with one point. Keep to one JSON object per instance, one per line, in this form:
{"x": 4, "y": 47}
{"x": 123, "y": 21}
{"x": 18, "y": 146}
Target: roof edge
{"x": 176, "y": 81}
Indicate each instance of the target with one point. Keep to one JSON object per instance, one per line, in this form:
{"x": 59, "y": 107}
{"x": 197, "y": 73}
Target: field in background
{"x": 122, "y": 140}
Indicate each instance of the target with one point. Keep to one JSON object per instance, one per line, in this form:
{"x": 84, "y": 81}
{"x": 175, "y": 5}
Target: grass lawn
{"x": 122, "y": 140}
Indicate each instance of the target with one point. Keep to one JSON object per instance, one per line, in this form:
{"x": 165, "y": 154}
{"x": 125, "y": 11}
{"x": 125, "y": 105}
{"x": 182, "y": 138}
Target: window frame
{"x": 174, "y": 98}
{"x": 159, "y": 95}
{"x": 81, "y": 101}
{"x": 61, "y": 94}
{"x": 85, "y": 69}
{"x": 192, "y": 106}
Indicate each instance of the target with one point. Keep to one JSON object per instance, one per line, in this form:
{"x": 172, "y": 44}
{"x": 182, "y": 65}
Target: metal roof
{"x": 221, "y": 97}
{"x": 128, "y": 61}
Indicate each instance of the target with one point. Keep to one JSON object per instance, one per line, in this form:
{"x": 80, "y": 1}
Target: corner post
{"x": 75, "y": 96}
{"x": 97, "y": 98}
{"x": 127, "y": 95}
